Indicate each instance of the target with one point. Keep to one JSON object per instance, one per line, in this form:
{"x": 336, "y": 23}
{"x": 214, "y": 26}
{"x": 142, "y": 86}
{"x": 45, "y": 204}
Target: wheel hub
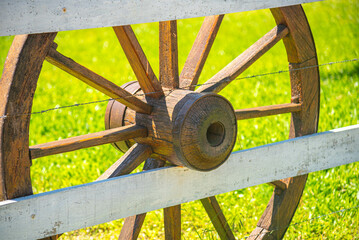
{"x": 189, "y": 129}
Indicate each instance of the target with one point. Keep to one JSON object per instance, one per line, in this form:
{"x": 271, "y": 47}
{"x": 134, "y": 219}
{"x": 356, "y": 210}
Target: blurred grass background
{"x": 335, "y": 27}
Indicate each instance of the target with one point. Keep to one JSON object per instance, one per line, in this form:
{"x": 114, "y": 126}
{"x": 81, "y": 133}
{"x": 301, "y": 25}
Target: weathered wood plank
{"x": 27, "y": 16}
{"x": 132, "y": 225}
{"x": 86, "y": 205}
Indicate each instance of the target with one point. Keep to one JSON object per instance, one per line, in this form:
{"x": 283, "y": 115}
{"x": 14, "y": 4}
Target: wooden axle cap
{"x": 196, "y": 130}
{"x": 204, "y": 131}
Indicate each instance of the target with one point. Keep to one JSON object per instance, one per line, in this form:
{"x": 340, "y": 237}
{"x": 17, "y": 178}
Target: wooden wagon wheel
{"x": 196, "y": 129}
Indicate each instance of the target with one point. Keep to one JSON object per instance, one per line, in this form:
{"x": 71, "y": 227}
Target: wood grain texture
{"x": 88, "y": 140}
{"x": 97, "y": 81}
{"x": 116, "y": 112}
{"x": 217, "y": 218}
{"x": 264, "y": 111}
{"x": 132, "y": 225}
{"x": 299, "y": 43}
{"x": 168, "y": 54}
{"x": 62, "y": 15}
{"x": 305, "y": 88}
{"x": 102, "y": 201}
{"x": 138, "y": 61}
{"x": 136, "y": 155}
{"x": 172, "y": 219}
{"x": 198, "y": 55}
{"x": 18, "y": 84}
{"x": 244, "y": 61}
{"x": 279, "y": 184}
{"x": 178, "y": 128}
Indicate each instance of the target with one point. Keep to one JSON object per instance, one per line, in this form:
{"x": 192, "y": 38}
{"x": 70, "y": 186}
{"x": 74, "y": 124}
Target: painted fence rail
{"x": 28, "y": 16}
{"x": 85, "y": 205}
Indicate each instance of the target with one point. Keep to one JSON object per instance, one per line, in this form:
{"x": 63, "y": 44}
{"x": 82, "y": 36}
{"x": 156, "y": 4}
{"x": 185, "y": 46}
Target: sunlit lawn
{"x": 335, "y": 26}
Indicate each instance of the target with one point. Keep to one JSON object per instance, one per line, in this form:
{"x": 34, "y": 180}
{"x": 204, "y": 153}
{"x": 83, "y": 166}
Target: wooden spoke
{"x": 138, "y": 61}
{"x": 217, "y": 218}
{"x": 132, "y": 225}
{"x": 97, "y": 81}
{"x": 172, "y": 219}
{"x": 198, "y": 55}
{"x": 88, "y": 140}
{"x": 243, "y": 61}
{"x": 152, "y": 163}
{"x": 169, "y": 55}
{"x": 279, "y": 185}
{"x": 136, "y": 155}
{"x": 267, "y": 110}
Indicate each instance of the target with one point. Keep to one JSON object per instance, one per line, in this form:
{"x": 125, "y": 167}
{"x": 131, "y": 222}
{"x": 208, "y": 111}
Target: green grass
{"x": 335, "y": 26}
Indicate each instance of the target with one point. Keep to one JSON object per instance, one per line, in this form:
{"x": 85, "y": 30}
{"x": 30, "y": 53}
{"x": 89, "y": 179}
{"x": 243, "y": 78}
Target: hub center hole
{"x": 215, "y": 134}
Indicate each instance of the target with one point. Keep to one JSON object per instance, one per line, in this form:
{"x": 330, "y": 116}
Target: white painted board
{"x": 81, "y": 206}
{"x": 29, "y": 16}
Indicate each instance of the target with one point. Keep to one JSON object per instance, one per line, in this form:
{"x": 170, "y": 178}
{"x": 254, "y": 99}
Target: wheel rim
{"x": 281, "y": 207}
{"x": 305, "y": 90}
{"x": 21, "y": 71}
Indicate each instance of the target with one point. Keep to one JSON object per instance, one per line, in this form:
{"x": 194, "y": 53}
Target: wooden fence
{"x": 86, "y": 205}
